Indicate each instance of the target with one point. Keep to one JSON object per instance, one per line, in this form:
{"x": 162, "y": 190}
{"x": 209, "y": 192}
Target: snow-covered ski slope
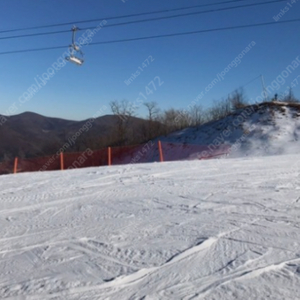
{"x": 215, "y": 229}
{"x": 264, "y": 129}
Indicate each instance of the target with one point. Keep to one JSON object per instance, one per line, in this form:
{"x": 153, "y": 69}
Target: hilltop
{"x": 261, "y": 129}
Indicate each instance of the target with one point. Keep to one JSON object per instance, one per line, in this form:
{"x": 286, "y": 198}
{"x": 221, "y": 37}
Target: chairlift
{"x": 76, "y": 55}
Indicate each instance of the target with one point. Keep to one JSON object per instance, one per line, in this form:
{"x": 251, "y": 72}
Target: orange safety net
{"x": 134, "y": 154}
{"x": 174, "y": 151}
{"x": 49, "y": 163}
{"x": 6, "y": 167}
{"x": 88, "y": 158}
{"x": 144, "y": 153}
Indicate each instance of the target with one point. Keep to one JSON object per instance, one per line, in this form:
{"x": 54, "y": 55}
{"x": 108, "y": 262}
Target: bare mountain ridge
{"x": 30, "y": 134}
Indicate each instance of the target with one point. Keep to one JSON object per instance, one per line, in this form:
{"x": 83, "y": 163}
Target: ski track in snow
{"x": 226, "y": 229}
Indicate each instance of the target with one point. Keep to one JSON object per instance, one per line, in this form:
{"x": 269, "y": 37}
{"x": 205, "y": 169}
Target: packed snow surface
{"x": 218, "y": 229}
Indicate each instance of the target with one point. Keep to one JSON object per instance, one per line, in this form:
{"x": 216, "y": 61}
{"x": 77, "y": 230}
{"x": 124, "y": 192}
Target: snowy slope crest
{"x": 270, "y": 128}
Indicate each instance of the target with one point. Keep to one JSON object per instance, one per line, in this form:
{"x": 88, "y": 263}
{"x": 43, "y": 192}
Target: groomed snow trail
{"x": 219, "y": 229}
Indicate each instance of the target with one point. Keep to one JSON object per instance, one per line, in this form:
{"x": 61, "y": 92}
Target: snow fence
{"x": 145, "y": 153}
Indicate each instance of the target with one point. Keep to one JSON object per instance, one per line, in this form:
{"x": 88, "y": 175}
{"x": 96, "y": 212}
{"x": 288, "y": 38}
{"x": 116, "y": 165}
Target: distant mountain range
{"x": 30, "y": 134}
{"x": 262, "y": 129}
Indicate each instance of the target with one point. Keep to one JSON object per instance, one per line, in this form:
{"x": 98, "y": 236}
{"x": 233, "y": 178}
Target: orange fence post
{"x": 161, "y": 157}
{"x": 61, "y": 160}
{"x": 109, "y": 156}
{"x": 16, "y": 165}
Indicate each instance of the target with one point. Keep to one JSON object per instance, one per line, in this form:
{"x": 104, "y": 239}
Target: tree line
{"x": 160, "y": 122}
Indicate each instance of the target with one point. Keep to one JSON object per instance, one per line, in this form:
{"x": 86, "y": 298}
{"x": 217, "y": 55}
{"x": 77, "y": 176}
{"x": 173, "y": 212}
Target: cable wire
{"x": 250, "y": 81}
{"x": 121, "y": 17}
{"x": 142, "y": 21}
{"x": 158, "y": 36}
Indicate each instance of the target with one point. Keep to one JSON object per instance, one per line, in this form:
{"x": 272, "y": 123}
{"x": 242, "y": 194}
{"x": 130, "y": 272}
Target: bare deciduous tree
{"x": 196, "y": 115}
{"x": 153, "y": 110}
{"x": 237, "y": 99}
{"x": 290, "y": 98}
{"x": 124, "y": 110}
{"x": 153, "y": 125}
{"x": 219, "y": 110}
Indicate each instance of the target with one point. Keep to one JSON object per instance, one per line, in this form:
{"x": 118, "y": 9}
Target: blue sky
{"x": 186, "y": 64}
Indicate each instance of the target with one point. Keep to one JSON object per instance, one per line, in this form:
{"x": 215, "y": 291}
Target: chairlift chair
{"x": 74, "y": 49}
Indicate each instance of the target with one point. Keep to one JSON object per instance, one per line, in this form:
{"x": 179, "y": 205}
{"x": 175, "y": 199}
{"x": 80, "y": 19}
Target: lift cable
{"x": 139, "y": 14}
{"x": 159, "y": 36}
